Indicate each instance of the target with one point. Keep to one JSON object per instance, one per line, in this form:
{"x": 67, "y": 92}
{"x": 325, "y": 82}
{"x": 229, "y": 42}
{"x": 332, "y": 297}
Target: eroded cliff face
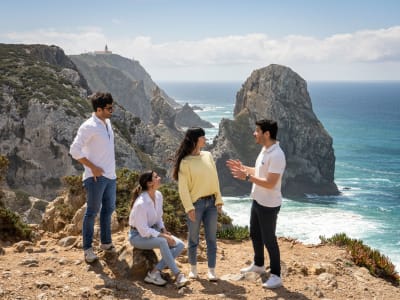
{"x": 43, "y": 101}
{"x": 278, "y": 93}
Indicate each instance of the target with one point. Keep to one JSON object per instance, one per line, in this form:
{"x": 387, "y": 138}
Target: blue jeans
{"x": 99, "y": 194}
{"x": 262, "y": 232}
{"x": 206, "y": 212}
{"x": 168, "y": 253}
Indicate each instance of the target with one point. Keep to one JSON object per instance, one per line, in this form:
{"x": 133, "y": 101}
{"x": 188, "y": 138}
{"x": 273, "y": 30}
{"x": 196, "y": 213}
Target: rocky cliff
{"x": 132, "y": 86}
{"x": 42, "y": 104}
{"x": 278, "y": 93}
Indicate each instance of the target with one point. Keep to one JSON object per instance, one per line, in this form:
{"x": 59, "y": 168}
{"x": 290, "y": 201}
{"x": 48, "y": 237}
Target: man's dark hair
{"x": 100, "y": 100}
{"x": 268, "y": 125}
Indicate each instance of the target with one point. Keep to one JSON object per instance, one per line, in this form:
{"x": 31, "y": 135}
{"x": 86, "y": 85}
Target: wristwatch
{"x": 247, "y": 177}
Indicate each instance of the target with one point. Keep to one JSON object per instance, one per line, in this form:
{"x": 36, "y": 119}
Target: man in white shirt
{"x": 93, "y": 147}
{"x": 266, "y": 177}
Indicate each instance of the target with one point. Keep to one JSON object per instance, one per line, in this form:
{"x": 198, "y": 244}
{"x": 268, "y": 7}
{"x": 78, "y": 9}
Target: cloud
{"x": 362, "y": 46}
{"x": 257, "y": 49}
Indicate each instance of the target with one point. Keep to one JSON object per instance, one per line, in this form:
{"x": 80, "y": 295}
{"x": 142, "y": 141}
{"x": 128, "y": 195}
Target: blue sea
{"x": 363, "y": 119}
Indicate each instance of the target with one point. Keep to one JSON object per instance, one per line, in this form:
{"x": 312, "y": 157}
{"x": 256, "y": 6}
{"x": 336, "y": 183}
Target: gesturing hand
{"x": 237, "y": 169}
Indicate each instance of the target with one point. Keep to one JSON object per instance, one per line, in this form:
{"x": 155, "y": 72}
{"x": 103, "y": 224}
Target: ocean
{"x": 363, "y": 119}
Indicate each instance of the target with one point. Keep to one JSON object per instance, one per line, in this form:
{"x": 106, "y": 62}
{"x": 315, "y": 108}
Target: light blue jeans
{"x": 206, "y": 212}
{"x": 99, "y": 194}
{"x": 168, "y": 253}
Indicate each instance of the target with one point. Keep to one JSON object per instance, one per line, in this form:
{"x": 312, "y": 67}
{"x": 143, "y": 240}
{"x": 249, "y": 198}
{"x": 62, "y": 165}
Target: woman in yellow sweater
{"x": 200, "y": 194}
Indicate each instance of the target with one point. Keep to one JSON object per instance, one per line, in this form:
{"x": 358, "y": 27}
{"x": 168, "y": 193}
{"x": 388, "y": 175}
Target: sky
{"x": 220, "y": 40}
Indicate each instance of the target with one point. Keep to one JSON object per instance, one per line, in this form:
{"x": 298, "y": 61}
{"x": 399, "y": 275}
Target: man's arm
{"x": 97, "y": 171}
{"x": 240, "y": 171}
{"x": 268, "y": 183}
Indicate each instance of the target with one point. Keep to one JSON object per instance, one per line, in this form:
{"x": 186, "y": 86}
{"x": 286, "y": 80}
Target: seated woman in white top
{"x": 148, "y": 230}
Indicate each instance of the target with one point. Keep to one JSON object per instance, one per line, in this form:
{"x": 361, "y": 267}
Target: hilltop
{"x": 50, "y": 268}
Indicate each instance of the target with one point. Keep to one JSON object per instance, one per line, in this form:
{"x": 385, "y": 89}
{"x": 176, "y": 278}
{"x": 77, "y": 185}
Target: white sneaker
{"x": 90, "y": 256}
{"x": 193, "y": 272}
{"x": 155, "y": 278}
{"x": 193, "y": 275}
{"x": 181, "y": 280}
{"x": 273, "y": 282}
{"x": 211, "y": 275}
{"x": 107, "y": 247}
{"x": 253, "y": 268}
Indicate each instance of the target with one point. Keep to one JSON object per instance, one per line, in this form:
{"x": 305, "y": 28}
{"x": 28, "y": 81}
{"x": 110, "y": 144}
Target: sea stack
{"x": 276, "y": 92}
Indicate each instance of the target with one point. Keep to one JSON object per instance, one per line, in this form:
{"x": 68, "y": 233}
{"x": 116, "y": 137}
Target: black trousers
{"x": 263, "y": 232}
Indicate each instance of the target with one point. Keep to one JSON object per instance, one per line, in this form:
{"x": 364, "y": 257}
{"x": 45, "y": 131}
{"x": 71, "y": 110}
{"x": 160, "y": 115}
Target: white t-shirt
{"x": 270, "y": 160}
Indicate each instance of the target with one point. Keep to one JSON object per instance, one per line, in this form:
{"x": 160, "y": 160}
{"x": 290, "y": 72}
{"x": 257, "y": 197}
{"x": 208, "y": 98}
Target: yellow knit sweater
{"x": 198, "y": 178}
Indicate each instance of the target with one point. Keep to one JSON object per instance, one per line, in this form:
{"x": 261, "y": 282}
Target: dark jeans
{"x": 100, "y": 196}
{"x": 262, "y": 232}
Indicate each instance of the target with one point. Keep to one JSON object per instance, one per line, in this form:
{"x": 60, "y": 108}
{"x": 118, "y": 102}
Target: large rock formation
{"x": 126, "y": 79}
{"x": 43, "y": 103}
{"x": 278, "y": 93}
{"x": 131, "y": 86}
{"x": 186, "y": 117}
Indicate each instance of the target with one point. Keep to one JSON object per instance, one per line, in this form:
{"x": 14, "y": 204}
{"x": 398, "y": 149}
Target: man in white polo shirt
{"x": 93, "y": 147}
{"x": 266, "y": 177}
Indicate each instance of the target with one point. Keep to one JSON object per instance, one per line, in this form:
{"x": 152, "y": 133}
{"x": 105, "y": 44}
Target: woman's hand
{"x": 164, "y": 230}
{"x": 219, "y": 208}
{"x": 192, "y": 215}
{"x": 170, "y": 240}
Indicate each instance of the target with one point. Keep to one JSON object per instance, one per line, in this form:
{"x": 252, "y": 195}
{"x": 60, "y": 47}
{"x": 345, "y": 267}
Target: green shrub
{"x": 237, "y": 233}
{"x": 378, "y": 265}
{"x": 12, "y": 228}
{"x": 127, "y": 180}
{"x": 22, "y": 200}
{"x": 73, "y": 184}
{"x": 174, "y": 212}
{"x": 66, "y": 211}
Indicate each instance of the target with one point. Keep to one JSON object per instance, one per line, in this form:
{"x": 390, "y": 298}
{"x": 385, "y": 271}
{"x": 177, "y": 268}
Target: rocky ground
{"x": 48, "y": 269}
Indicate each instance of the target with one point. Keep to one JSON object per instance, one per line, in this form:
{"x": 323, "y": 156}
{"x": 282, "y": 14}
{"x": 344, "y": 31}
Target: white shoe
{"x": 211, "y": 275}
{"x": 193, "y": 272}
{"x": 273, "y": 282}
{"x": 155, "y": 278}
{"x": 181, "y": 280}
{"x": 253, "y": 268}
{"x": 107, "y": 247}
{"x": 193, "y": 275}
{"x": 89, "y": 255}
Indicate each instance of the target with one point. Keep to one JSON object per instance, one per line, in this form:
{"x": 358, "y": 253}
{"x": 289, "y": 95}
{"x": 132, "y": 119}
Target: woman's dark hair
{"x": 186, "y": 147}
{"x": 268, "y": 125}
{"x": 144, "y": 178}
{"x": 100, "y": 100}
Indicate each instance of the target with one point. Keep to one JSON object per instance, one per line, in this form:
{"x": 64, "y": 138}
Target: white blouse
{"x": 146, "y": 214}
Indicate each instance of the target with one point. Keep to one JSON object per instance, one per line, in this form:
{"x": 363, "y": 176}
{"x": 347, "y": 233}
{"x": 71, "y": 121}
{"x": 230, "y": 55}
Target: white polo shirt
{"x": 95, "y": 141}
{"x": 270, "y": 160}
